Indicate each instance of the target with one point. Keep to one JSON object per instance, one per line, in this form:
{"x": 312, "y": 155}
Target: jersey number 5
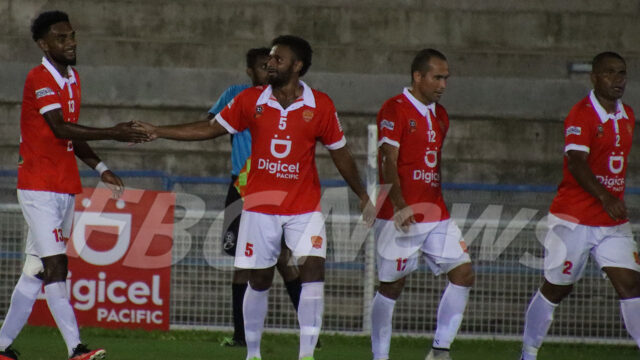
{"x": 248, "y": 251}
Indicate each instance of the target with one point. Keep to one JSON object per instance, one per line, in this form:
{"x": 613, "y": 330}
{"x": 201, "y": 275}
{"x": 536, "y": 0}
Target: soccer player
{"x": 240, "y": 151}
{"x": 413, "y": 219}
{"x": 286, "y": 119}
{"x": 48, "y": 179}
{"x": 588, "y": 214}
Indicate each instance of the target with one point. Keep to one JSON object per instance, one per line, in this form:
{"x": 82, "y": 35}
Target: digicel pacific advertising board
{"x": 119, "y": 261}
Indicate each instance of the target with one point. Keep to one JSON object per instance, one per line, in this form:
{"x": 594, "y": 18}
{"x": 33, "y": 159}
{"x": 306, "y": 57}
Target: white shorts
{"x": 49, "y": 216}
{"x": 567, "y": 247}
{"x": 259, "y": 238}
{"x": 440, "y": 243}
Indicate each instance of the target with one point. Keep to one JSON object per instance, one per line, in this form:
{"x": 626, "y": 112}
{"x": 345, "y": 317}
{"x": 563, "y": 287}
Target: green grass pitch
{"x": 36, "y": 343}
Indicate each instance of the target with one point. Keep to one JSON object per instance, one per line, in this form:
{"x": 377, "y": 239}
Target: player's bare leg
{"x": 627, "y": 285}
{"x": 290, "y": 275}
{"x": 311, "y": 304}
{"x": 540, "y": 315}
{"x": 451, "y": 309}
{"x": 381, "y": 314}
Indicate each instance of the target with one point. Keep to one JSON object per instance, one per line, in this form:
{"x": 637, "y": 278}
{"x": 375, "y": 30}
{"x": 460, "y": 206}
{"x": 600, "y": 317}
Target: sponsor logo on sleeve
{"x": 574, "y": 130}
{"x": 40, "y": 93}
{"x": 386, "y": 124}
{"x": 339, "y": 123}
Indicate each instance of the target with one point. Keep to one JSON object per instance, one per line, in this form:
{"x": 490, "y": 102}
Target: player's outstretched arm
{"x": 579, "y": 168}
{"x": 403, "y": 215}
{"x": 66, "y": 130}
{"x": 347, "y": 167}
{"x": 84, "y": 152}
{"x": 199, "y": 130}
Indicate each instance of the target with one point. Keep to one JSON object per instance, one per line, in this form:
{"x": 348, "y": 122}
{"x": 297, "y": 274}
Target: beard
{"x": 281, "y": 78}
{"x": 63, "y": 60}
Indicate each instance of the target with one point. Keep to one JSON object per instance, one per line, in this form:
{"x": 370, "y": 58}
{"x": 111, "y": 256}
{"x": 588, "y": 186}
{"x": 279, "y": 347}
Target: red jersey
{"x": 418, "y": 131}
{"x": 283, "y": 179}
{"x": 607, "y": 138}
{"x": 46, "y": 162}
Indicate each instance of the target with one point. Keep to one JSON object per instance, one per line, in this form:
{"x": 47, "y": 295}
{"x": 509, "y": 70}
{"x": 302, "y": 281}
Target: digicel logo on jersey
{"x": 282, "y": 170}
{"x": 429, "y": 176}
{"x": 119, "y": 261}
{"x": 280, "y": 149}
{"x": 613, "y": 183}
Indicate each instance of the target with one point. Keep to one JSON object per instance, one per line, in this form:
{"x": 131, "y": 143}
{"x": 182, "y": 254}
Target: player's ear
{"x": 250, "y": 73}
{"x": 42, "y": 44}
{"x": 297, "y": 66}
{"x": 594, "y": 78}
{"x": 417, "y": 76}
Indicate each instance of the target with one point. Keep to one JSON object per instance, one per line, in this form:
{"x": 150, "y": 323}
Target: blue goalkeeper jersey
{"x": 241, "y": 142}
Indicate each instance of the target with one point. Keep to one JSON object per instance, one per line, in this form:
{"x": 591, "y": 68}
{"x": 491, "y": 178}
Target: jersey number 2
{"x": 568, "y": 265}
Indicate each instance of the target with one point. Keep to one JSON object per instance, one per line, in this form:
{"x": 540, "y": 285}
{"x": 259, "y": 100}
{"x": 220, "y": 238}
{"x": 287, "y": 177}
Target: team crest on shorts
{"x": 316, "y": 242}
{"x": 464, "y": 247}
{"x": 307, "y": 115}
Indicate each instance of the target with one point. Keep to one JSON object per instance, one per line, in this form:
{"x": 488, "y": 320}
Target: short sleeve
{"x": 232, "y": 116}
{"x": 331, "y": 134}
{"x": 577, "y": 132}
{"x": 44, "y": 92}
{"x": 389, "y": 126}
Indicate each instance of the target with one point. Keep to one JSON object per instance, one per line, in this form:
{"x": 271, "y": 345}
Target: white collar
{"x": 602, "y": 113}
{"x": 62, "y": 81}
{"x": 307, "y": 98}
{"x": 422, "y": 108}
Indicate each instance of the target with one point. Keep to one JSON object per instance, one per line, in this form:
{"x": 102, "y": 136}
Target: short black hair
{"x": 41, "y": 24}
{"x": 421, "y": 60}
{"x": 254, "y": 54}
{"x": 598, "y": 59}
{"x": 300, "y": 48}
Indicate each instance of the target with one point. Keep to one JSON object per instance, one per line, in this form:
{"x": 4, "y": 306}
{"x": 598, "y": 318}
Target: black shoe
{"x": 81, "y": 352}
{"x": 318, "y": 345}
{"x": 9, "y": 354}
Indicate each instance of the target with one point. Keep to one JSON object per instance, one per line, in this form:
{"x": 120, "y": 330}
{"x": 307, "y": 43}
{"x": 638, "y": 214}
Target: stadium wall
{"x": 166, "y": 62}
